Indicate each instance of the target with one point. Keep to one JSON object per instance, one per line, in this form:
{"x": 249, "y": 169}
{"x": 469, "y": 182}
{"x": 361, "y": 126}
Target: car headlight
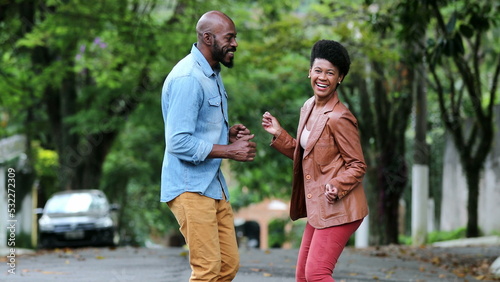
{"x": 104, "y": 222}
{"x": 45, "y": 223}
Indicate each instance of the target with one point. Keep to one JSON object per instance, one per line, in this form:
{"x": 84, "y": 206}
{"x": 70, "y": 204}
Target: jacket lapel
{"x": 319, "y": 125}
{"x": 305, "y": 111}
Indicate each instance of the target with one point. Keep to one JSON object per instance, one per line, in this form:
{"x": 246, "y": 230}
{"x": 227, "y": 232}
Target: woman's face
{"x": 324, "y": 78}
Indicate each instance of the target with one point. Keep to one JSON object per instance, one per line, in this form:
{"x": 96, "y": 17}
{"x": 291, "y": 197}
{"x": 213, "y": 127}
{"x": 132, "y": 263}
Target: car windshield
{"x": 76, "y": 203}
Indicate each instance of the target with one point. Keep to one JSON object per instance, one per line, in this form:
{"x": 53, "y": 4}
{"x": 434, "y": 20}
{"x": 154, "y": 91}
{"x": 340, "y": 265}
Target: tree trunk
{"x": 392, "y": 179}
{"x": 472, "y": 174}
{"x": 69, "y": 139}
{"x": 420, "y": 171}
{"x": 93, "y": 149}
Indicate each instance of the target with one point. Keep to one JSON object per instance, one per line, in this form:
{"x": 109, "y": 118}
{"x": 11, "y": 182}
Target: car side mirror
{"x": 38, "y": 211}
{"x": 114, "y": 207}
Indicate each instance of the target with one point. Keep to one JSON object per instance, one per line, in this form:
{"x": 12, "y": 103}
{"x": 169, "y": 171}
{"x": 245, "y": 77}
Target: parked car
{"x": 78, "y": 218}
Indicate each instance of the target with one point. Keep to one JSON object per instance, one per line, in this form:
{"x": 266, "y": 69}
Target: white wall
{"x": 455, "y": 194}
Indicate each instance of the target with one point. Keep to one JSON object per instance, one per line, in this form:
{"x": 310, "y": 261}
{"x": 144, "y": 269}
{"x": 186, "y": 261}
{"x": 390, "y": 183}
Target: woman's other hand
{"x": 331, "y": 193}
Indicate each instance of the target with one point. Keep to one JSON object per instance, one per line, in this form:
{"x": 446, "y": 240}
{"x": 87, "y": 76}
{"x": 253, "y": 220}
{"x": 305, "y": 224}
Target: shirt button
{"x": 308, "y": 177}
{"x": 309, "y": 196}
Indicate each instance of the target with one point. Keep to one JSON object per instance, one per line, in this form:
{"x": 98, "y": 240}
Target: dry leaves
{"x": 461, "y": 265}
{"x": 44, "y": 271}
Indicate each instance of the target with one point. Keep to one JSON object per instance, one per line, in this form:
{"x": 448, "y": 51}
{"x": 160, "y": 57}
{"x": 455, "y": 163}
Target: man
{"x": 198, "y": 137}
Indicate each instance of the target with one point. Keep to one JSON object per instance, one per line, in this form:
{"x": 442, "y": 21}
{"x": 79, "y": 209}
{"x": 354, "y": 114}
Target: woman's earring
{"x": 308, "y": 76}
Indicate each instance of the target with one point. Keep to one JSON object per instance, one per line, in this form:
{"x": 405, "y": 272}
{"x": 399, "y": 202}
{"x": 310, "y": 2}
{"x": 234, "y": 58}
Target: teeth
{"x": 322, "y": 85}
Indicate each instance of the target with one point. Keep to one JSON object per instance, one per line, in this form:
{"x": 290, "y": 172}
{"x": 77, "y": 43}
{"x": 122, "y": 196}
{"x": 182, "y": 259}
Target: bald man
{"x": 197, "y": 138}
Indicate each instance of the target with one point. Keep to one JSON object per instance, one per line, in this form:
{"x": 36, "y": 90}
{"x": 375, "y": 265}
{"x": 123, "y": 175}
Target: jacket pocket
{"x": 324, "y": 150}
{"x": 330, "y": 211}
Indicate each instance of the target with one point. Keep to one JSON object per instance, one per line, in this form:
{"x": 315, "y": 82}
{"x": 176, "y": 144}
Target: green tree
{"x": 77, "y": 70}
{"x": 465, "y": 48}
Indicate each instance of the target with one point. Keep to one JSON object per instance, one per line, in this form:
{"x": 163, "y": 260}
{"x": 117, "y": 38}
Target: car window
{"x": 76, "y": 203}
{"x": 98, "y": 204}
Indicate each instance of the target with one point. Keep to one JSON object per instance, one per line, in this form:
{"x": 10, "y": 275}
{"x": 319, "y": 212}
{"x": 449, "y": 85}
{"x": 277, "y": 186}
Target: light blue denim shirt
{"x": 194, "y": 106}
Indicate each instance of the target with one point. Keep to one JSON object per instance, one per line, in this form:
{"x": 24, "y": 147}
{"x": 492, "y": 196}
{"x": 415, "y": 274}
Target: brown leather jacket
{"x": 332, "y": 155}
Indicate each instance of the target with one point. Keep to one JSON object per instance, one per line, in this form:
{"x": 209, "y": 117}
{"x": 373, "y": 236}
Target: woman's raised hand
{"x": 270, "y": 124}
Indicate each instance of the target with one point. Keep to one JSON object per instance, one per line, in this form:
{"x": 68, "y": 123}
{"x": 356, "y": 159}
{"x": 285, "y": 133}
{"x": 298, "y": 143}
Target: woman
{"x": 328, "y": 166}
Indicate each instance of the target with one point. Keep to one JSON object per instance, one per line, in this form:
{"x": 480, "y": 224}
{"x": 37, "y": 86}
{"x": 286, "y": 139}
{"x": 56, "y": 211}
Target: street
{"x": 392, "y": 263}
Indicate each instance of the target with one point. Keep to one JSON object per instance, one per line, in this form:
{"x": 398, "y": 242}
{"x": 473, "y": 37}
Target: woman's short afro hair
{"x": 333, "y": 52}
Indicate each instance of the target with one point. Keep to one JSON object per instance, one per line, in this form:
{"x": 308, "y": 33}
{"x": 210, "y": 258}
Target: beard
{"x": 219, "y": 55}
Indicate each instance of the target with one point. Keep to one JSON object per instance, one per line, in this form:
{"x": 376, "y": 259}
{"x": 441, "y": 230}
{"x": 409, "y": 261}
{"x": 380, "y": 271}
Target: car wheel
{"x": 46, "y": 242}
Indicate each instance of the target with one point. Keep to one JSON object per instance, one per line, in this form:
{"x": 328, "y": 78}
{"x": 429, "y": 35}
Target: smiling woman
{"x": 328, "y": 165}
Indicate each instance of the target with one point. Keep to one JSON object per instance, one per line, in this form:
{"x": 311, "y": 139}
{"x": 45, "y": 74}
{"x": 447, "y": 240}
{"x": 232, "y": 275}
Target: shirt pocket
{"x": 214, "y": 111}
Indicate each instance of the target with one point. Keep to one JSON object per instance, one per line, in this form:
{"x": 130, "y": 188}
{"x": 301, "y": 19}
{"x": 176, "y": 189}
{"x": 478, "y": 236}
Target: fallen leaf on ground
{"x": 52, "y": 272}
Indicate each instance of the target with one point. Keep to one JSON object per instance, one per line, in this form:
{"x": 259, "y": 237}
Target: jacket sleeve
{"x": 284, "y": 143}
{"x": 348, "y": 141}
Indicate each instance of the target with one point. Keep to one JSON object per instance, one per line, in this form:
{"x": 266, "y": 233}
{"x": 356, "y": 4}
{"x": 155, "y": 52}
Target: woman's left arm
{"x": 346, "y": 135}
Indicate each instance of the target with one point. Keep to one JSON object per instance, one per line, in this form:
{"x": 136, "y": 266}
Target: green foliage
{"x": 46, "y": 162}
{"x": 277, "y": 235}
{"x": 295, "y": 236}
{"x": 23, "y": 240}
{"x": 46, "y": 166}
{"x": 438, "y": 236}
{"x": 404, "y": 240}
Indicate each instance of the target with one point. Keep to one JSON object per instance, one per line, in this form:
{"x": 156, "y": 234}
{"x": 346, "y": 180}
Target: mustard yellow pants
{"x": 208, "y": 228}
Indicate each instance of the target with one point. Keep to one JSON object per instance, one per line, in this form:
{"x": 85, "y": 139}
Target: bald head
{"x": 217, "y": 38}
{"x": 211, "y": 22}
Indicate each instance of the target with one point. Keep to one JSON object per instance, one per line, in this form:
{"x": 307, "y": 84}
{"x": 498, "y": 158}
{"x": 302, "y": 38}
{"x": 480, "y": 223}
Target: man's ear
{"x": 208, "y": 38}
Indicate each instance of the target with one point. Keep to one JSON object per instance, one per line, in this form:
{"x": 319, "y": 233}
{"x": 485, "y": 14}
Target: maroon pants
{"x": 320, "y": 250}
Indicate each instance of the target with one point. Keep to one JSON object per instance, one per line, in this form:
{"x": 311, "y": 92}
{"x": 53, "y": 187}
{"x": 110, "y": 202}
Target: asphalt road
{"x": 171, "y": 265}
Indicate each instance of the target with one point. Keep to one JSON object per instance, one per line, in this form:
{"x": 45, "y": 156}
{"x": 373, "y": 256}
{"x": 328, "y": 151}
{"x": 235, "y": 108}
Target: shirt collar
{"x": 202, "y": 61}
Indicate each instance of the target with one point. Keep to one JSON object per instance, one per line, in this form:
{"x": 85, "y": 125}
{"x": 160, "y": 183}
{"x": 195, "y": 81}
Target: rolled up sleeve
{"x": 185, "y": 96}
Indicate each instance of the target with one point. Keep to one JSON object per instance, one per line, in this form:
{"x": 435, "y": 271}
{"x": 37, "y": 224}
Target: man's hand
{"x": 242, "y": 150}
{"x": 237, "y": 131}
